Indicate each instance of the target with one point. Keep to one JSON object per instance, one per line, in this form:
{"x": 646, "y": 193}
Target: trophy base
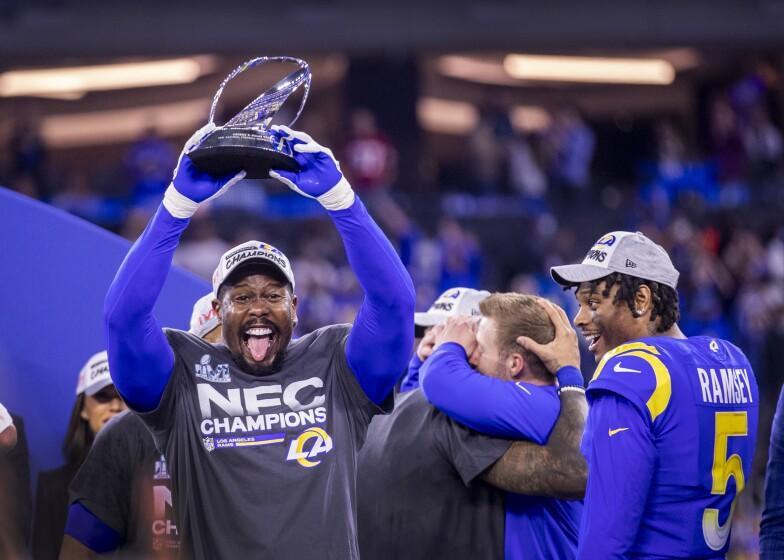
{"x": 225, "y": 151}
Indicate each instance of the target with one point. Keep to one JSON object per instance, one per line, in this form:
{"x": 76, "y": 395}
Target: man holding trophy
{"x": 260, "y": 434}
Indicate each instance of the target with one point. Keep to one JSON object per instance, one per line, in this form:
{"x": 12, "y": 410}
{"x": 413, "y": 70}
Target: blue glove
{"x": 190, "y": 186}
{"x": 319, "y": 176}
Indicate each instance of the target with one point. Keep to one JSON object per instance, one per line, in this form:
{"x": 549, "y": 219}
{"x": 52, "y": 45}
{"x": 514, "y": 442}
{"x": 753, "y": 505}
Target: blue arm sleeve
{"x": 411, "y": 380}
{"x": 383, "y": 334}
{"x": 772, "y": 526}
{"x": 140, "y": 357}
{"x": 619, "y": 448}
{"x": 93, "y": 533}
{"x": 499, "y": 408}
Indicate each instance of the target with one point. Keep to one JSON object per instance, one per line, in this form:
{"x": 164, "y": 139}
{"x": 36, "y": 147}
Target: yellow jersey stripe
{"x": 660, "y": 398}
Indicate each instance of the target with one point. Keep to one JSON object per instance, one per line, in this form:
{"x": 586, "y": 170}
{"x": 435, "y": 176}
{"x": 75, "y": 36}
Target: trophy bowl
{"x": 245, "y": 142}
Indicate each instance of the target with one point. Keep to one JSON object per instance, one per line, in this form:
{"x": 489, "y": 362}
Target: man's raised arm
{"x": 140, "y": 357}
{"x": 380, "y": 342}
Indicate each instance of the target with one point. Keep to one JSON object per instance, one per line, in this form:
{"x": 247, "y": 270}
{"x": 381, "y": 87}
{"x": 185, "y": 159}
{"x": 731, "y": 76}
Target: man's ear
{"x": 643, "y": 301}
{"x": 516, "y": 365}
{"x": 216, "y": 306}
{"x": 294, "y": 317}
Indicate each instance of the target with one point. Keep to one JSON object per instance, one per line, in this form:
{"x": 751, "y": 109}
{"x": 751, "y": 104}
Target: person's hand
{"x": 319, "y": 175}
{"x": 425, "y": 347}
{"x": 562, "y": 350}
{"x": 460, "y": 329}
{"x": 190, "y": 186}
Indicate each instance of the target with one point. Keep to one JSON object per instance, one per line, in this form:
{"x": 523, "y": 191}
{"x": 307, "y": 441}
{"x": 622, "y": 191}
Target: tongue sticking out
{"x": 259, "y": 346}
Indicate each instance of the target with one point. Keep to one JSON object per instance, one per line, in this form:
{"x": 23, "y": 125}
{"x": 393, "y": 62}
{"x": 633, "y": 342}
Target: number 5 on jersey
{"x": 728, "y": 424}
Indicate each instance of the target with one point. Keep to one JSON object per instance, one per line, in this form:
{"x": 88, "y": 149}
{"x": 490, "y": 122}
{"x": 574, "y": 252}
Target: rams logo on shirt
{"x": 308, "y": 445}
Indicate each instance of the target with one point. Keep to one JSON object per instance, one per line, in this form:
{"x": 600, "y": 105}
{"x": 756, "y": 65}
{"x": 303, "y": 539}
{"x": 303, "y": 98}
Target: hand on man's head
{"x": 425, "y": 347}
{"x": 461, "y": 330}
{"x": 563, "y": 349}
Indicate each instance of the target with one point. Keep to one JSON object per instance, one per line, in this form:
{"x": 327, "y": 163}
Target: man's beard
{"x": 259, "y": 370}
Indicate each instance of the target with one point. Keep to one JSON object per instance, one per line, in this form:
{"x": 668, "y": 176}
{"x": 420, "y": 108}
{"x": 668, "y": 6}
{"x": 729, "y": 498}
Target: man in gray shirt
{"x": 261, "y": 433}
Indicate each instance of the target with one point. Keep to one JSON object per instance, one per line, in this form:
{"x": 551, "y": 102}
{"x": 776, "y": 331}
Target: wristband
{"x": 570, "y": 376}
{"x": 570, "y": 389}
{"x": 179, "y": 205}
{"x": 339, "y": 197}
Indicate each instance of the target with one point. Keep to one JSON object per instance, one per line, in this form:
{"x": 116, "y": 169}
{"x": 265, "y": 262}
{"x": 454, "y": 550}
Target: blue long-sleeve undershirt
{"x": 411, "y": 379}
{"x": 492, "y": 406}
{"x": 621, "y": 455}
{"x": 381, "y": 339}
{"x": 377, "y": 349}
{"x": 84, "y": 526}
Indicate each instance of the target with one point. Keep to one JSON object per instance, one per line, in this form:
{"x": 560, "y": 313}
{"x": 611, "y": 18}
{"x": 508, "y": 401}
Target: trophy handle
{"x": 272, "y": 98}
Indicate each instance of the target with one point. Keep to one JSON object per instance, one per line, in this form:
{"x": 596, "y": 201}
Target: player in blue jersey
{"x": 673, "y": 419}
{"x": 480, "y": 376}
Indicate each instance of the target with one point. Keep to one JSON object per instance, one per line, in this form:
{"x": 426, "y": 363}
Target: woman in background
{"x": 97, "y": 401}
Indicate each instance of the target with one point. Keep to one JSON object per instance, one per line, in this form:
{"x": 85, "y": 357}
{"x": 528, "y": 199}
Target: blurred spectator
{"x": 525, "y": 174}
{"x": 150, "y": 161}
{"x": 489, "y": 148}
{"x": 461, "y": 258}
{"x": 570, "y": 146}
{"x": 201, "y": 248}
{"x": 726, "y": 141}
{"x": 97, "y": 401}
{"x": 369, "y": 158}
{"x": 728, "y": 152}
{"x": 28, "y": 159}
{"x": 763, "y": 144}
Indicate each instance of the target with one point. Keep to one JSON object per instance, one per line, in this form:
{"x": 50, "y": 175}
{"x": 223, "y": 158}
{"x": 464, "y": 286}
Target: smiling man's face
{"x": 258, "y": 314}
{"x": 603, "y": 323}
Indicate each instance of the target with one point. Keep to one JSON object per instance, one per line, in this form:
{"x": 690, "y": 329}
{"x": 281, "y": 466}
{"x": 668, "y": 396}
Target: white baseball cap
{"x": 627, "y": 252}
{"x": 94, "y": 375}
{"x": 250, "y": 252}
{"x": 452, "y": 303}
{"x": 204, "y": 319}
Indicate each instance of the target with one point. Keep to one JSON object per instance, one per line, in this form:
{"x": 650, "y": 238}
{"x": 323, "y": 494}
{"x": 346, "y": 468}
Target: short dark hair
{"x": 665, "y": 298}
{"x": 253, "y": 268}
{"x": 78, "y": 437}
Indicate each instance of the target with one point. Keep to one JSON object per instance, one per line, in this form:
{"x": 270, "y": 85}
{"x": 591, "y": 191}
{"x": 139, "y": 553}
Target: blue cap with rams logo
{"x": 251, "y": 252}
{"x": 627, "y": 252}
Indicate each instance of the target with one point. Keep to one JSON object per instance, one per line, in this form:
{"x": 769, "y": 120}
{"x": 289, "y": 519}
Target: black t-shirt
{"x": 124, "y": 482}
{"x": 51, "y": 511}
{"x": 15, "y": 501}
{"x": 264, "y": 467}
{"x": 417, "y": 488}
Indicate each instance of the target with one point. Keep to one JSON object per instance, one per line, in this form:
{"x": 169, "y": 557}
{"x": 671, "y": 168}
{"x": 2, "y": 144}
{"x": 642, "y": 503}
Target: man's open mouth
{"x": 258, "y": 340}
{"x": 593, "y": 340}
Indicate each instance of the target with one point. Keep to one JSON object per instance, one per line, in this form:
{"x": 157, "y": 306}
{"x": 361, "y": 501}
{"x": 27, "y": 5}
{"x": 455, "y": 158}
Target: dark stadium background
{"x": 478, "y": 193}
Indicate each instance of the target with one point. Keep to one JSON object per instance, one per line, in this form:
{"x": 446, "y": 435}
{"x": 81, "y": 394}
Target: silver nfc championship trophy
{"x": 245, "y": 142}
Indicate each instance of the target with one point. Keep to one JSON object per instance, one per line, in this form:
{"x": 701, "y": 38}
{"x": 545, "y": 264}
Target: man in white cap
{"x": 452, "y": 303}
{"x": 672, "y": 424}
{"x": 261, "y": 434}
{"x": 205, "y": 321}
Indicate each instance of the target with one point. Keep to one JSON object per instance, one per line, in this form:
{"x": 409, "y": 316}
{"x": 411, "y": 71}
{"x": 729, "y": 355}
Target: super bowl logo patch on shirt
{"x": 218, "y": 374}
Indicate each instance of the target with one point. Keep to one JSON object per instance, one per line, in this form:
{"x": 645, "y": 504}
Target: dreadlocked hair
{"x": 665, "y": 299}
